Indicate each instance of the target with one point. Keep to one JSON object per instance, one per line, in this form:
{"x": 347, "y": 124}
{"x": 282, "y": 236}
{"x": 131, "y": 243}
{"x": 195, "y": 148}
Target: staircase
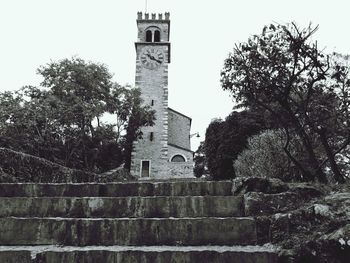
{"x": 148, "y": 222}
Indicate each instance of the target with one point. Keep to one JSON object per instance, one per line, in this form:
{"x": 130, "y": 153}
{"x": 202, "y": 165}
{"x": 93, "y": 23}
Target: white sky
{"x": 203, "y": 32}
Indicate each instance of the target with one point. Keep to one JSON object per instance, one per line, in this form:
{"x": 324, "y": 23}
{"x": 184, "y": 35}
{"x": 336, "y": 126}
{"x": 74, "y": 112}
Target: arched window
{"x": 178, "y": 159}
{"x": 157, "y": 36}
{"x": 148, "y": 36}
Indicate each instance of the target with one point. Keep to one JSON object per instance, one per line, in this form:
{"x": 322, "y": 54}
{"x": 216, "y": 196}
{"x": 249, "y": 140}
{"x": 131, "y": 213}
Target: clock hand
{"x": 150, "y": 56}
{"x": 159, "y": 61}
{"x": 153, "y": 58}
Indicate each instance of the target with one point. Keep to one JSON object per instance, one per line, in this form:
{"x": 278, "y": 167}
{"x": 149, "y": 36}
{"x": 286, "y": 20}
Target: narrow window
{"x": 151, "y": 136}
{"x": 148, "y": 36}
{"x": 145, "y": 171}
{"x": 157, "y": 36}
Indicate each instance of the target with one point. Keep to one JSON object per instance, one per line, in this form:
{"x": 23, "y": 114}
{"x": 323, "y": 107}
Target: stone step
{"x": 151, "y": 254}
{"x": 116, "y": 207}
{"x": 160, "y": 188}
{"x": 127, "y": 231}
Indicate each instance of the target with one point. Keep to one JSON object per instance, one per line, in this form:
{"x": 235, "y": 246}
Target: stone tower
{"x": 150, "y": 156}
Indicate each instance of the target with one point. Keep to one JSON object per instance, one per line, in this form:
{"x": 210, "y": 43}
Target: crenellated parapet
{"x": 153, "y": 28}
{"x": 153, "y": 16}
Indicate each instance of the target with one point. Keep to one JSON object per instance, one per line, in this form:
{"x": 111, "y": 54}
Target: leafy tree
{"x": 284, "y": 72}
{"x": 338, "y": 130}
{"x": 82, "y": 92}
{"x": 224, "y": 140}
{"x": 27, "y": 122}
{"x": 61, "y": 121}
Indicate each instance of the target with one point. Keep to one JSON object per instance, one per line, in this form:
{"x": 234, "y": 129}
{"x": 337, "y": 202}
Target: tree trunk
{"x": 312, "y": 159}
{"x": 304, "y": 172}
{"x": 334, "y": 167}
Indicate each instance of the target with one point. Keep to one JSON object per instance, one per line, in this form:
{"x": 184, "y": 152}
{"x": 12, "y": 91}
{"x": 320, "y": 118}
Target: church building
{"x": 165, "y": 150}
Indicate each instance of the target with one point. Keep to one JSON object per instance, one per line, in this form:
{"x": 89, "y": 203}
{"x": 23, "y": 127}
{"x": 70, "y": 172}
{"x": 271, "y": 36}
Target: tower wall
{"x": 179, "y": 129}
{"x": 153, "y": 83}
{"x": 161, "y": 22}
{"x": 152, "y": 155}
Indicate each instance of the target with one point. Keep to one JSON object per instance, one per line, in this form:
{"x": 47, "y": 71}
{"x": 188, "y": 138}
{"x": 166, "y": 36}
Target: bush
{"x": 265, "y": 157}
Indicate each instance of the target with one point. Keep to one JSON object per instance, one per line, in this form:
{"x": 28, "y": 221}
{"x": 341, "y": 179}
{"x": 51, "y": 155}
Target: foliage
{"x": 200, "y": 162}
{"x": 61, "y": 121}
{"x": 4, "y": 177}
{"x": 224, "y": 140}
{"x": 306, "y": 91}
{"x": 139, "y": 116}
{"x": 264, "y": 157}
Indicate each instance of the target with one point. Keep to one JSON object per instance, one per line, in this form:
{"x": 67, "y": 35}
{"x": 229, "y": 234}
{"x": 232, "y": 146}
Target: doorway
{"x": 145, "y": 168}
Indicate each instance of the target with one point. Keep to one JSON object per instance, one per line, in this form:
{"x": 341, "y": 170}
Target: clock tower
{"x": 150, "y": 155}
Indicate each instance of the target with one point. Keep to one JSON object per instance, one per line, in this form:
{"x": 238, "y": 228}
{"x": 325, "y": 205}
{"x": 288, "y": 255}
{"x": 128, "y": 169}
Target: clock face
{"x": 151, "y": 57}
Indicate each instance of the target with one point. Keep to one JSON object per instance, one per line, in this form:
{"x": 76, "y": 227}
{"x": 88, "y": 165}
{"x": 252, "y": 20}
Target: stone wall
{"x": 154, "y": 87}
{"x": 179, "y": 129}
{"x": 180, "y": 169}
{"x": 162, "y": 24}
{"x": 153, "y": 82}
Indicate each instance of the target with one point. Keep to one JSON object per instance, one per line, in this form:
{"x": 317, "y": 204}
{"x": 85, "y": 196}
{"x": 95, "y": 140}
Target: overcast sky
{"x": 203, "y": 32}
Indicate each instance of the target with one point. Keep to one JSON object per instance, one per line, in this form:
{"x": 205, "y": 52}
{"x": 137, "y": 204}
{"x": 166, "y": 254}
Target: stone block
{"x": 160, "y": 257}
{"x": 118, "y": 207}
{"x": 280, "y": 227}
{"x": 163, "y": 188}
{"x": 263, "y": 227}
{"x": 20, "y": 256}
{"x": 161, "y": 254}
{"x": 256, "y": 204}
{"x": 258, "y": 184}
{"x": 140, "y": 231}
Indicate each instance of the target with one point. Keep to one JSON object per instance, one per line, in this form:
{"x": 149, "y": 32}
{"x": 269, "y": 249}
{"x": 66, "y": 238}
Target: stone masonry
{"x": 182, "y": 221}
{"x": 153, "y": 155}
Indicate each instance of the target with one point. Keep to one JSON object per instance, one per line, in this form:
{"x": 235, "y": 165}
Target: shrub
{"x": 265, "y": 157}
